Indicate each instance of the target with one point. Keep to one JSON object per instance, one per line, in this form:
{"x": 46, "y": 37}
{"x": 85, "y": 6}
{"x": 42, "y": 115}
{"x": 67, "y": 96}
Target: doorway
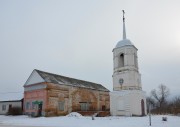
{"x": 40, "y": 109}
{"x": 142, "y": 108}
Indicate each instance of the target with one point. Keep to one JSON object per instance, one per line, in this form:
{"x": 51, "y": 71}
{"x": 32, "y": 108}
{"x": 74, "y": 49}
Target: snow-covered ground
{"x": 81, "y": 121}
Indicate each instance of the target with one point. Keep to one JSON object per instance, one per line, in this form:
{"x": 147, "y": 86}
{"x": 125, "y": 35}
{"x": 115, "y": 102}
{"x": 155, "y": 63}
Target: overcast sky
{"x": 75, "y": 38}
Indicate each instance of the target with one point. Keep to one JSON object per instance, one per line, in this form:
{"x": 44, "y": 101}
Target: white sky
{"x": 75, "y": 38}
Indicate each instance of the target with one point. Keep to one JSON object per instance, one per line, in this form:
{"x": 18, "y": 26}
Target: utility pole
{"x": 149, "y": 114}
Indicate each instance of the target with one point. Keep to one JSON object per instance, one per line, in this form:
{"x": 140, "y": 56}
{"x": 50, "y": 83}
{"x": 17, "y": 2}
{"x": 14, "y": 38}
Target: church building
{"x": 127, "y": 97}
{"x": 47, "y": 94}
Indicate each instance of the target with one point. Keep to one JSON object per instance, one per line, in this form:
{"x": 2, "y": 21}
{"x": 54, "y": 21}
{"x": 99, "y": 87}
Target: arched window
{"x": 121, "y": 60}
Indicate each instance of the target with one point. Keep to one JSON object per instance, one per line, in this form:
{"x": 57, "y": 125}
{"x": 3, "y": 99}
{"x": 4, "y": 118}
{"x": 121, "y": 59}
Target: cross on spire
{"x": 123, "y": 15}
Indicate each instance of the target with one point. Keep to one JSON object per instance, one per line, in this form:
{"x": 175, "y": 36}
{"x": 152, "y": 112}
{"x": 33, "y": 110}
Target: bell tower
{"x": 125, "y": 72}
{"x": 127, "y": 97}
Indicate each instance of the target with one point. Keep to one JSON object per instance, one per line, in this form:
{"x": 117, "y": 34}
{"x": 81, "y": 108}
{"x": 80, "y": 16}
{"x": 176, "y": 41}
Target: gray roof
{"x": 62, "y": 80}
{"x": 124, "y": 42}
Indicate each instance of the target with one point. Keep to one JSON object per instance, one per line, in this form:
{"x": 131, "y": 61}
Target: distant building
{"x": 9, "y": 101}
{"x": 127, "y": 98}
{"x": 49, "y": 94}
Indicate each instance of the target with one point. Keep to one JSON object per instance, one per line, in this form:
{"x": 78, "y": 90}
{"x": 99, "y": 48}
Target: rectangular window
{"x": 61, "y": 105}
{"x": 3, "y": 107}
{"x": 27, "y": 105}
{"x": 34, "y": 105}
{"x": 84, "y": 106}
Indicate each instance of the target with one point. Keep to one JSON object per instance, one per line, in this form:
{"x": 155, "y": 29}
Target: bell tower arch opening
{"x": 121, "y": 60}
{"x": 135, "y": 60}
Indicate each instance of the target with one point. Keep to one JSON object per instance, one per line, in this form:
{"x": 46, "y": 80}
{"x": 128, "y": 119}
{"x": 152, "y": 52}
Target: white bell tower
{"x": 127, "y": 97}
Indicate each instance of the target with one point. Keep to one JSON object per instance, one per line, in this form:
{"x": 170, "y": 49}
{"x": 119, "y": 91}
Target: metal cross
{"x": 123, "y": 15}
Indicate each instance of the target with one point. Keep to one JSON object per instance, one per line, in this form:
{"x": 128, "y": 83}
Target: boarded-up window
{"x": 3, "y": 107}
{"x": 61, "y": 105}
{"x": 84, "y": 106}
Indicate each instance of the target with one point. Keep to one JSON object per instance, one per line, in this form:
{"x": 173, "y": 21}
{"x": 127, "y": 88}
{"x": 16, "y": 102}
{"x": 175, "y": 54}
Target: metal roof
{"x": 62, "y": 80}
{"x": 124, "y": 42}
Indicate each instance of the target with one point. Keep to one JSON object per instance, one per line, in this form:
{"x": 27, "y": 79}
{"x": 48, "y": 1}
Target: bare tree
{"x": 175, "y": 106}
{"x": 160, "y": 96}
{"x": 177, "y": 101}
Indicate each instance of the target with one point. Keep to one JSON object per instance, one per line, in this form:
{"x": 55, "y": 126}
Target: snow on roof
{"x": 124, "y": 42}
{"x": 11, "y": 96}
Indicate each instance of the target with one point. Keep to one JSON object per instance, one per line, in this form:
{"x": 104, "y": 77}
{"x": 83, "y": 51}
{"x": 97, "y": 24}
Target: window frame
{"x": 3, "y": 107}
{"x": 84, "y": 106}
{"x": 28, "y": 105}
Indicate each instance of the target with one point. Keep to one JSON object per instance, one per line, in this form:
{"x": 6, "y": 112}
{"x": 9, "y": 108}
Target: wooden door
{"x": 142, "y": 107}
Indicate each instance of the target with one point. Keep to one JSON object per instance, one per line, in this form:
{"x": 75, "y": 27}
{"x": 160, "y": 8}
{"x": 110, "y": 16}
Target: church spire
{"x": 124, "y": 29}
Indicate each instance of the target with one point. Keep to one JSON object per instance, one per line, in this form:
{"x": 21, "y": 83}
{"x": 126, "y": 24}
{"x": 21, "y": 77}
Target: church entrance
{"x": 142, "y": 108}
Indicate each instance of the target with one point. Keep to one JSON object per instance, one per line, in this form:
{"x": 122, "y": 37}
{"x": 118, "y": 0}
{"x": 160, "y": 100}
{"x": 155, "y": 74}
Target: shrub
{"x": 15, "y": 111}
